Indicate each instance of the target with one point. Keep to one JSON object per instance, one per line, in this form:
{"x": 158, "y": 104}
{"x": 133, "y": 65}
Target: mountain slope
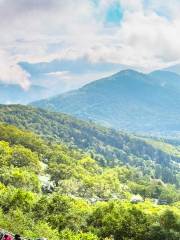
{"x": 174, "y": 68}
{"x": 55, "y": 192}
{"x": 166, "y": 79}
{"x": 107, "y": 146}
{"x": 128, "y": 100}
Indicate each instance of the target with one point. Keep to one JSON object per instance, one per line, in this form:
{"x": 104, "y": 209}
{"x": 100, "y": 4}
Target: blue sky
{"x": 103, "y": 35}
{"x": 114, "y": 14}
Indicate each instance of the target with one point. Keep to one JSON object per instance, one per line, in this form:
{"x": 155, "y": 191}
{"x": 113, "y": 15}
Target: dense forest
{"x": 54, "y": 190}
{"x": 107, "y": 146}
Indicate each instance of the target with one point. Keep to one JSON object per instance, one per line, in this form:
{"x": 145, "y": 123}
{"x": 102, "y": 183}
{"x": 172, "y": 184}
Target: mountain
{"x": 15, "y": 94}
{"x": 128, "y": 100}
{"x": 166, "y": 79}
{"x": 174, "y": 68}
{"x": 80, "y": 65}
{"x": 64, "y": 75}
{"x": 107, "y": 146}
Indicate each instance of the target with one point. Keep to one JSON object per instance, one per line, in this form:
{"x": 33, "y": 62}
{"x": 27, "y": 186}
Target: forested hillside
{"x": 128, "y": 100}
{"x": 53, "y": 191}
{"x": 107, "y": 146}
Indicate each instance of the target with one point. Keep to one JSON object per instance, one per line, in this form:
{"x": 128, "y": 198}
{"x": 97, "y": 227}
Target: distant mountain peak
{"x": 174, "y": 68}
{"x": 165, "y": 72}
{"x": 128, "y": 72}
{"x": 128, "y": 100}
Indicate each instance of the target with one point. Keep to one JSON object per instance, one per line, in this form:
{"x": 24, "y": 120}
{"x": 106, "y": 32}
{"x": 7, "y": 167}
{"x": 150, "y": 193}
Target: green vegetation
{"x": 108, "y": 147}
{"x": 56, "y": 191}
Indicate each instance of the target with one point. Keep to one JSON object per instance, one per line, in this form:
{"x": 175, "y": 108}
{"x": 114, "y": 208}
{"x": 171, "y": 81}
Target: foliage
{"x": 107, "y": 146}
{"x": 79, "y": 199}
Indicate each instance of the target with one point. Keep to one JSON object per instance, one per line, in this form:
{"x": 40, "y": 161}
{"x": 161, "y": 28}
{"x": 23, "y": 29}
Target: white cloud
{"x": 11, "y": 72}
{"x": 59, "y": 74}
{"x": 43, "y": 30}
{"x": 149, "y": 40}
{"x": 145, "y": 39}
{"x": 132, "y": 5}
{"x": 165, "y": 7}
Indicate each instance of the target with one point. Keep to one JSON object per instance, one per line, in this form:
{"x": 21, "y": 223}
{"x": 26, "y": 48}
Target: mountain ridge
{"x": 127, "y": 100}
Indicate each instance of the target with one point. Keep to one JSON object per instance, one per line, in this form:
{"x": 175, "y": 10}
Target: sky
{"x": 101, "y": 36}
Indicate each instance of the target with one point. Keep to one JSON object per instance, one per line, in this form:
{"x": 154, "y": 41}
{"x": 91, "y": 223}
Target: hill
{"x": 166, "y": 79}
{"x": 107, "y": 146}
{"x": 10, "y": 93}
{"x": 128, "y": 100}
{"x": 173, "y": 68}
{"x": 52, "y": 191}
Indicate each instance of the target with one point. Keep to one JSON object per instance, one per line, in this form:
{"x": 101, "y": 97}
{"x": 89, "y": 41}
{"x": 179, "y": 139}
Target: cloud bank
{"x": 143, "y": 34}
